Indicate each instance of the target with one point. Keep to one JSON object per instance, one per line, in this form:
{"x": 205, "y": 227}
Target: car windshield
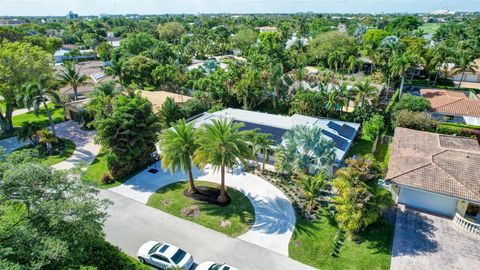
{"x": 178, "y": 256}
{"x": 218, "y": 266}
{"x": 154, "y": 248}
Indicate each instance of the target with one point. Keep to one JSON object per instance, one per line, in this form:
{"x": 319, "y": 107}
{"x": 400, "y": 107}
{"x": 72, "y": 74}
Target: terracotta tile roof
{"x": 443, "y": 164}
{"x": 452, "y": 102}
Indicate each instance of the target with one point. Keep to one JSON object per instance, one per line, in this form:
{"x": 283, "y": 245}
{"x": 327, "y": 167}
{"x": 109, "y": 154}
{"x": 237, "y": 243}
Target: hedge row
{"x": 457, "y": 129}
{"x": 392, "y": 101}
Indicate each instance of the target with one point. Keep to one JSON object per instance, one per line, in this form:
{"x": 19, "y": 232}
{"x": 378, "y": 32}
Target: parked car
{"x": 164, "y": 255}
{"x": 214, "y": 266}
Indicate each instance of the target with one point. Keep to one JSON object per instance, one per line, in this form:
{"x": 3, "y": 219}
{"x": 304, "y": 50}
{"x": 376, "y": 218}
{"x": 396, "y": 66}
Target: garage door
{"x": 428, "y": 201}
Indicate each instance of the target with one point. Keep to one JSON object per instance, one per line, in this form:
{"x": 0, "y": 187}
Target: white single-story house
{"x": 453, "y": 106}
{"x": 341, "y": 133}
{"x": 437, "y": 173}
{"x": 62, "y": 54}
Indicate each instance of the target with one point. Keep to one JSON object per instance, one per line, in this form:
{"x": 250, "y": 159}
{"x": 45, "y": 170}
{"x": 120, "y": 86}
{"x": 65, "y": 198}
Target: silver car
{"x": 164, "y": 256}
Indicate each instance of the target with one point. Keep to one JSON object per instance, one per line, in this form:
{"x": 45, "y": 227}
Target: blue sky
{"x": 95, "y": 7}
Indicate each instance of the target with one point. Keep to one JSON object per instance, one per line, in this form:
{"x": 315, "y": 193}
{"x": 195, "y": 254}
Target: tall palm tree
{"x": 364, "y": 91}
{"x": 169, "y": 113}
{"x": 70, "y": 75}
{"x": 223, "y": 145}
{"x": 352, "y": 63}
{"x": 333, "y": 59}
{"x": 35, "y": 95}
{"x": 401, "y": 65}
{"x": 177, "y": 145}
{"x": 464, "y": 64}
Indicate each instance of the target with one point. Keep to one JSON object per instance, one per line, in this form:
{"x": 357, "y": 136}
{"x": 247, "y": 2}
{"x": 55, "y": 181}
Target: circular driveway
{"x": 274, "y": 214}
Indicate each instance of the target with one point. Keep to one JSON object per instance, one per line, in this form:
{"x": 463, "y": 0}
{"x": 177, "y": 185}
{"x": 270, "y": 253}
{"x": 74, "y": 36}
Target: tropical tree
{"x": 364, "y": 92}
{"x": 464, "y": 64}
{"x": 352, "y": 63}
{"x": 115, "y": 70}
{"x": 223, "y": 145}
{"x": 312, "y": 185}
{"x": 304, "y": 150}
{"x": 169, "y": 113}
{"x": 73, "y": 77}
{"x": 177, "y": 145}
{"x": 28, "y": 130}
{"x": 359, "y": 198}
{"x": 47, "y": 138}
{"x": 265, "y": 144}
{"x": 35, "y": 95}
{"x": 402, "y": 63}
{"x": 20, "y": 64}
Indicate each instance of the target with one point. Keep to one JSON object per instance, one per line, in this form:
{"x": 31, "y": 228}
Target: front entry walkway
{"x": 425, "y": 241}
{"x": 274, "y": 214}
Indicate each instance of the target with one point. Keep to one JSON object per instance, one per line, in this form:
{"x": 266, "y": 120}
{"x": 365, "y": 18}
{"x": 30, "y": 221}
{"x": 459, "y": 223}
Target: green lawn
{"x": 57, "y": 115}
{"x": 55, "y": 158}
{"x": 430, "y": 28}
{"x": 239, "y": 212}
{"x": 97, "y": 169}
{"x": 312, "y": 243}
{"x": 363, "y": 147}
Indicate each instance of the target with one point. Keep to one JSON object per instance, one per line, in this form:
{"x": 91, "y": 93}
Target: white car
{"x": 214, "y": 266}
{"x": 164, "y": 256}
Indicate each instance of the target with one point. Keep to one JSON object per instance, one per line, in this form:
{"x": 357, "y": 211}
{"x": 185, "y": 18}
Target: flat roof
{"x": 340, "y": 132}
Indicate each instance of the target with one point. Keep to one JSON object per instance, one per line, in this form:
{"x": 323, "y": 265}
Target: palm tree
{"x": 169, "y": 113}
{"x": 333, "y": 60}
{"x": 401, "y": 64}
{"x": 264, "y": 143}
{"x": 28, "y": 130}
{"x": 352, "y": 63}
{"x": 101, "y": 99}
{"x": 35, "y": 95}
{"x": 177, "y": 145}
{"x": 46, "y": 138}
{"x": 312, "y": 185}
{"x": 73, "y": 77}
{"x": 115, "y": 70}
{"x": 223, "y": 145}
{"x": 465, "y": 64}
{"x": 365, "y": 91}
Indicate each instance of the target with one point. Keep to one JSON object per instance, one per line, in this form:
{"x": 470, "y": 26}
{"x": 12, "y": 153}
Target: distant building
{"x": 264, "y": 29}
{"x": 11, "y": 22}
{"x": 342, "y": 27}
{"x": 442, "y": 12}
{"x": 72, "y": 15}
{"x": 113, "y": 40}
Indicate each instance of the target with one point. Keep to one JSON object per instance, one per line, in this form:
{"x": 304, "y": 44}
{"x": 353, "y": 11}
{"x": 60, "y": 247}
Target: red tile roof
{"x": 443, "y": 164}
{"x": 452, "y": 102}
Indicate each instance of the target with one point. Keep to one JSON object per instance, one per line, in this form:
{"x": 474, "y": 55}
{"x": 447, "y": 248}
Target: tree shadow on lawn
{"x": 311, "y": 228}
{"x": 378, "y": 236}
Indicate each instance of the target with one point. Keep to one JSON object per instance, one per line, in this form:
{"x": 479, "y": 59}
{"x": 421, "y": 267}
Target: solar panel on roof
{"x": 276, "y": 133}
{"x": 164, "y": 248}
{"x": 344, "y": 130}
{"x": 340, "y": 142}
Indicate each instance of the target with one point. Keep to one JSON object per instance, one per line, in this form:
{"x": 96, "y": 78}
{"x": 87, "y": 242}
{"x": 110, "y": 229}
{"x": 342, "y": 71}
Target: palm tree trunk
{"x": 402, "y": 84}
{"x": 49, "y": 115}
{"x": 75, "y": 92}
{"x": 461, "y": 79}
{"x": 223, "y": 196}
{"x": 436, "y": 78}
{"x": 193, "y": 189}
{"x": 8, "y": 117}
{"x": 264, "y": 159}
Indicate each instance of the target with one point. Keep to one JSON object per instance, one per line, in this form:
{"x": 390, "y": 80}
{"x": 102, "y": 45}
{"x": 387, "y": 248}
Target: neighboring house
{"x": 453, "y": 106}
{"x": 294, "y": 40}
{"x": 157, "y": 98}
{"x": 71, "y": 109}
{"x": 436, "y": 173}
{"x": 341, "y": 133}
{"x": 113, "y": 40}
{"x": 342, "y": 27}
{"x": 94, "y": 70}
{"x": 210, "y": 64}
{"x": 469, "y": 76}
{"x": 63, "y": 54}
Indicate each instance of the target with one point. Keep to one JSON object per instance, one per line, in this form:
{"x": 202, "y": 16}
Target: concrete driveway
{"x": 130, "y": 224}
{"x": 426, "y": 241}
{"x": 274, "y": 215}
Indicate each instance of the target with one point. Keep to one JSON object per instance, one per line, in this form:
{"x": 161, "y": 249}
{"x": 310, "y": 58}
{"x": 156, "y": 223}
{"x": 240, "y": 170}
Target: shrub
{"x": 106, "y": 179}
{"x": 414, "y": 120}
{"x": 372, "y": 127}
{"x": 392, "y": 101}
{"x": 412, "y": 103}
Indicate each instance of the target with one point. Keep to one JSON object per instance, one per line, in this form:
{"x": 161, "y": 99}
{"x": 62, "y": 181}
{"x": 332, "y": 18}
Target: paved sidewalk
{"x": 131, "y": 223}
{"x": 85, "y": 150}
{"x": 426, "y": 241}
{"x": 274, "y": 215}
